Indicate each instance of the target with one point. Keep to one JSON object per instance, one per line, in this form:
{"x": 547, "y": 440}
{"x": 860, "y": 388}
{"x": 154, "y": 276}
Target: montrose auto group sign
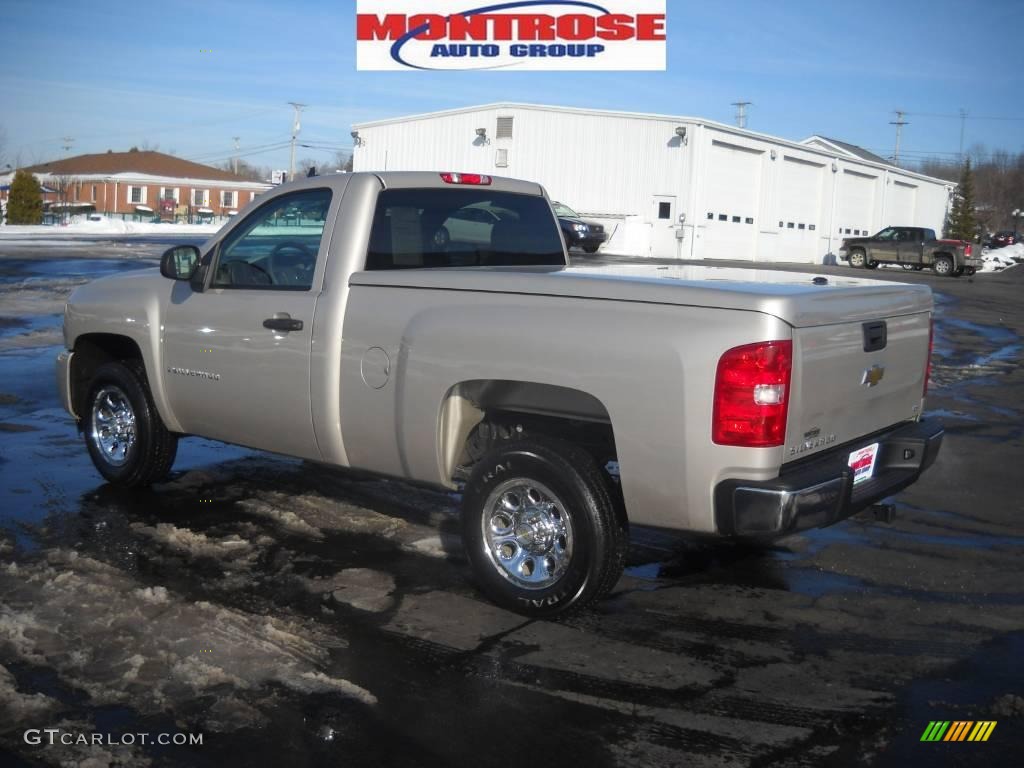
{"x": 516, "y": 36}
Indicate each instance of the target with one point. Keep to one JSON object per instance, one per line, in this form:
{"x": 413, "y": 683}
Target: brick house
{"x": 142, "y": 182}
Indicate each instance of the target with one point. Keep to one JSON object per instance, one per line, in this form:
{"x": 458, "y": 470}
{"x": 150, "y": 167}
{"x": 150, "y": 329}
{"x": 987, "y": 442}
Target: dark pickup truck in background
{"x": 912, "y": 248}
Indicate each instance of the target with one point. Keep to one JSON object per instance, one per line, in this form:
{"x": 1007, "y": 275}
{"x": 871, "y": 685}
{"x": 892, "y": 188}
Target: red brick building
{"x": 142, "y": 182}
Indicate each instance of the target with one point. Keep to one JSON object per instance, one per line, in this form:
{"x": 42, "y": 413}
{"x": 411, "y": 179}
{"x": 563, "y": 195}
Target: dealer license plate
{"x": 862, "y": 462}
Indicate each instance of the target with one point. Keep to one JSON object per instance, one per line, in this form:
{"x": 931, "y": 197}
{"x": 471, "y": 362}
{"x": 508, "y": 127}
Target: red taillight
{"x": 967, "y": 250}
{"x": 928, "y": 365}
{"x": 466, "y": 178}
{"x": 752, "y": 395}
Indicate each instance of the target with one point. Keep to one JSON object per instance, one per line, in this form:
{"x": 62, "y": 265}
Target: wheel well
{"x": 477, "y": 414}
{"x": 91, "y": 351}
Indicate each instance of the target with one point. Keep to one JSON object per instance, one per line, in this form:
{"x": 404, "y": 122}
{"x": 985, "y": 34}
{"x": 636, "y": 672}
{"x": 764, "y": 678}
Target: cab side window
{"x": 276, "y": 247}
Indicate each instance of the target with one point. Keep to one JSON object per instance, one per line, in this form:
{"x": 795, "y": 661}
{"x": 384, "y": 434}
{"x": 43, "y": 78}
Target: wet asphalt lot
{"x": 294, "y": 615}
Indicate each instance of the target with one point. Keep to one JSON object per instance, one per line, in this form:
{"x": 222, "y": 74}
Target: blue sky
{"x": 116, "y": 74}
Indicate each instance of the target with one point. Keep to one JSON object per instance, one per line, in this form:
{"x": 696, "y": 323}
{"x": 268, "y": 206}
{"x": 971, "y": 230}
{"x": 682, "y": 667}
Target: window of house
{"x": 200, "y": 196}
{"x": 94, "y": 193}
{"x": 749, "y": 220}
{"x": 790, "y": 225}
{"x": 664, "y": 210}
{"x": 735, "y": 219}
{"x": 169, "y": 193}
{"x": 723, "y": 217}
{"x": 137, "y": 195}
{"x": 801, "y": 226}
{"x": 811, "y": 227}
{"x": 227, "y": 199}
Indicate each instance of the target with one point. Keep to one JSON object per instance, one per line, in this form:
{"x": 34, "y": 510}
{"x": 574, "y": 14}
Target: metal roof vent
{"x": 504, "y": 130}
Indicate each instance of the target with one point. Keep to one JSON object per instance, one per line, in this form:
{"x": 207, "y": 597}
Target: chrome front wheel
{"x": 528, "y": 533}
{"x": 112, "y": 425}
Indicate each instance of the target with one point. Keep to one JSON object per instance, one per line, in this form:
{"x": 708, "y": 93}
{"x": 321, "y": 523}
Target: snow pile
{"x": 123, "y": 642}
{"x": 1001, "y": 258}
{"x": 105, "y": 226}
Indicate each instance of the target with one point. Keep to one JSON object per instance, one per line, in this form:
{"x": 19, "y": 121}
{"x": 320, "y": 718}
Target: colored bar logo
{"x": 958, "y": 730}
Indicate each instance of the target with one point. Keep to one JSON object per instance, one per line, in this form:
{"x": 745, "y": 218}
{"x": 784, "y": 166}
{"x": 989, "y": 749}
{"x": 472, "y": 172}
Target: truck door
{"x": 237, "y": 356}
{"x": 885, "y": 247}
{"x": 911, "y": 243}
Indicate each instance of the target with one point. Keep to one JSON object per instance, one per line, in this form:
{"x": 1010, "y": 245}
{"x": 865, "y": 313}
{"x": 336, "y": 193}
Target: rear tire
{"x": 541, "y": 529}
{"x": 124, "y": 434}
{"x": 590, "y": 248}
{"x": 943, "y": 266}
{"x": 857, "y": 259}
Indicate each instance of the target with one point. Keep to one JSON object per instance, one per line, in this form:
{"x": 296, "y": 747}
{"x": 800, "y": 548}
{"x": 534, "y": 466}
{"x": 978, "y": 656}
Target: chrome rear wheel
{"x": 528, "y": 533}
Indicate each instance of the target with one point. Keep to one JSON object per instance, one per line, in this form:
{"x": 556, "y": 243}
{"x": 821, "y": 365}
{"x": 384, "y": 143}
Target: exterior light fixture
{"x": 774, "y": 154}
{"x": 481, "y": 132}
{"x": 835, "y": 167}
{"x": 356, "y": 138}
{"x": 681, "y": 133}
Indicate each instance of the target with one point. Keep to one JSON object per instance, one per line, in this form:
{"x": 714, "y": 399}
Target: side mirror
{"x": 179, "y": 262}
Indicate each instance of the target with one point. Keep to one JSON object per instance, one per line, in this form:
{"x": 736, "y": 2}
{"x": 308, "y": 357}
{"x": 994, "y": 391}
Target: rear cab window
{"x": 425, "y": 228}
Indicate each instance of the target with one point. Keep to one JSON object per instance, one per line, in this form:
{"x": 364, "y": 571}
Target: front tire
{"x": 540, "y": 528}
{"x": 857, "y": 259}
{"x": 124, "y": 434}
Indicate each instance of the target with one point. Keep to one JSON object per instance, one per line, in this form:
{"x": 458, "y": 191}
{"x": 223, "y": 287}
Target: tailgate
{"x": 842, "y": 392}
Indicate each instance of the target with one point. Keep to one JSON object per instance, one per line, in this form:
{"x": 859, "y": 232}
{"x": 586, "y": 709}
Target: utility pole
{"x": 899, "y": 122}
{"x": 235, "y": 160}
{"x": 741, "y": 112}
{"x": 963, "y": 125}
{"x": 296, "y": 127}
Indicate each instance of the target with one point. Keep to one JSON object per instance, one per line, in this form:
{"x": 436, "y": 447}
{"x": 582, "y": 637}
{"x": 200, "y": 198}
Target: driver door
{"x": 237, "y": 355}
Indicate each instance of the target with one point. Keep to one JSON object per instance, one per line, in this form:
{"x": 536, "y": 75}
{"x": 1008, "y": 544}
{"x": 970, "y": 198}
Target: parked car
{"x": 913, "y": 248}
{"x": 519, "y": 381}
{"x": 1004, "y": 238}
{"x": 588, "y": 235}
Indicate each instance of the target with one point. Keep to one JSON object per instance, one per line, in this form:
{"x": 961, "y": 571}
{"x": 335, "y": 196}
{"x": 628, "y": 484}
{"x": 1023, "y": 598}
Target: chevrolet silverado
{"x": 351, "y": 320}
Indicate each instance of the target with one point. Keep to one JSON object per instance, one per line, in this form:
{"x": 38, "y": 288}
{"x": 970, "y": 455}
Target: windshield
{"x": 561, "y": 209}
{"x": 886, "y": 234}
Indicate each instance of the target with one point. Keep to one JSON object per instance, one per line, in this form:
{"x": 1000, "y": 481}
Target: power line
{"x": 958, "y": 116}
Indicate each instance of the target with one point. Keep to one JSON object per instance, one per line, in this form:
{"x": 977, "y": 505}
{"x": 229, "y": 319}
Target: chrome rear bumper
{"x": 819, "y": 491}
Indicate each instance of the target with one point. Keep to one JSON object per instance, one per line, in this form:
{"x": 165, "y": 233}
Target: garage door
{"x": 800, "y": 189}
{"x": 733, "y": 180}
{"x": 903, "y": 205}
{"x": 855, "y": 205}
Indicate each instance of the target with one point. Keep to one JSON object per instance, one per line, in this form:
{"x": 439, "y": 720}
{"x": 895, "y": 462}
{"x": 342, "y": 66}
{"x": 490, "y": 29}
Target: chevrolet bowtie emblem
{"x": 873, "y": 375}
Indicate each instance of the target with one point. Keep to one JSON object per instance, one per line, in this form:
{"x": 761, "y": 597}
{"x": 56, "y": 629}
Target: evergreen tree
{"x": 962, "y": 223}
{"x": 25, "y": 205}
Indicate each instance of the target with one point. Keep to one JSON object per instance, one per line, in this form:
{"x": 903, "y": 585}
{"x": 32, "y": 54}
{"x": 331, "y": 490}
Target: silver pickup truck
{"x": 343, "y": 320}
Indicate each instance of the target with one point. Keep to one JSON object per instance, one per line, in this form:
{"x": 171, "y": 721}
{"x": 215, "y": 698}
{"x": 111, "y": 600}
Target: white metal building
{"x": 668, "y": 186}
